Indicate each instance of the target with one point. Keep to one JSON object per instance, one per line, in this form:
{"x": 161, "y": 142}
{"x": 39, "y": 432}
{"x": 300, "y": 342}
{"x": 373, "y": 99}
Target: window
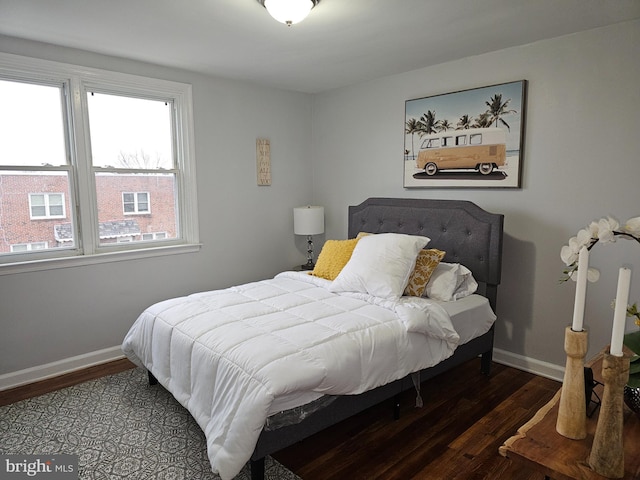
{"x": 25, "y": 247}
{"x": 475, "y": 139}
{"x": 447, "y": 141}
{"x": 154, "y": 236}
{"x": 431, "y": 143}
{"x": 47, "y": 205}
{"x": 135, "y": 202}
{"x": 461, "y": 140}
{"x": 118, "y": 179}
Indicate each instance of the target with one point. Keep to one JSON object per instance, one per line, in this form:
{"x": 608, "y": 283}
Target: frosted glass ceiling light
{"x": 289, "y": 11}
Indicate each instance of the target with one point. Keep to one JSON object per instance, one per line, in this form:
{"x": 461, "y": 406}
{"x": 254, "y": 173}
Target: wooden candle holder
{"x": 572, "y": 411}
{"x": 607, "y": 452}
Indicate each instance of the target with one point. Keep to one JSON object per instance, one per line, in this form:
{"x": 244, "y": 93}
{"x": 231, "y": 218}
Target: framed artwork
{"x": 471, "y": 138}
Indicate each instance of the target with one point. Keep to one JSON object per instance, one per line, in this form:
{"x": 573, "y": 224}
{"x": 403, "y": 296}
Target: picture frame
{"x": 469, "y": 138}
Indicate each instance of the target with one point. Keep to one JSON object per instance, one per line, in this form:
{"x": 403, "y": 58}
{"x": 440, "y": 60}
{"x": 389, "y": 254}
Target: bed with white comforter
{"x": 233, "y": 356}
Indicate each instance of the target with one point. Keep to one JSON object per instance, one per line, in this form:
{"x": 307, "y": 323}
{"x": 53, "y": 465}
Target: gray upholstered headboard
{"x": 470, "y": 235}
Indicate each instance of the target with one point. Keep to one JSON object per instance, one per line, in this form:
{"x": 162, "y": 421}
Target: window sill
{"x": 83, "y": 260}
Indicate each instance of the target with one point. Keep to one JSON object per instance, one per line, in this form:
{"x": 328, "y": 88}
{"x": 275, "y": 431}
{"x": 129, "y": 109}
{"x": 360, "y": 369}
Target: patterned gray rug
{"x": 120, "y": 427}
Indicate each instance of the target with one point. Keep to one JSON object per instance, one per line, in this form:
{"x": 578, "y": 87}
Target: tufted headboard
{"x": 470, "y": 235}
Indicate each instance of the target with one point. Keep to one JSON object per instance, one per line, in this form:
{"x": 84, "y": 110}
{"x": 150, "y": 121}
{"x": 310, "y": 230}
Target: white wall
{"x": 581, "y": 162}
{"x": 246, "y": 231}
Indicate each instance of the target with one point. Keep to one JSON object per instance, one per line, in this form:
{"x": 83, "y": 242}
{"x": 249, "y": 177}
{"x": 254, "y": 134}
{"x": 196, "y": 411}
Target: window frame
{"x": 47, "y": 206}
{"x": 154, "y": 236}
{"x": 447, "y": 141}
{"x": 475, "y": 139}
{"x": 75, "y": 82}
{"x": 29, "y": 246}
{"x": 431, "y": 143}
{"x": 136, "y": 203}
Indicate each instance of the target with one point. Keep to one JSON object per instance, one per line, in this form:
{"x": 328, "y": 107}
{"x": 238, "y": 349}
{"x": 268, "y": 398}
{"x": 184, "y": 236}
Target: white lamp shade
{"x": 288, "y": 11}
{"x": 308, "y": 220}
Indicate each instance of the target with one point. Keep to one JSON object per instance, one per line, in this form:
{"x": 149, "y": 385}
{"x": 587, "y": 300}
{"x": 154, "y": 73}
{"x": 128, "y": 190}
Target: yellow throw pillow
{"x": 426, "y": 263}
{"x": 334, "y": 256}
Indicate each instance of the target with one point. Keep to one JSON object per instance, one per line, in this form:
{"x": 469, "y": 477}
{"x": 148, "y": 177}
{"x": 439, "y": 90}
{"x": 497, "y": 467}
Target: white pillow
{"x": 450, "y": 281}
{"x": 380, "y": 265}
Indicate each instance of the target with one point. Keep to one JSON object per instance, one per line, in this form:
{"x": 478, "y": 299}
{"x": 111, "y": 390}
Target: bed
{"x": 267, "y": 374}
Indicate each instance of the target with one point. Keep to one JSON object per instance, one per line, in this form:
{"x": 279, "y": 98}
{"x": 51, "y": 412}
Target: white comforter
{"x": 226, "y": 355}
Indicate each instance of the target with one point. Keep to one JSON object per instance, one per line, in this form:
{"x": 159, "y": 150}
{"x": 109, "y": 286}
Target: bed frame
{"x": 469, "y": 235}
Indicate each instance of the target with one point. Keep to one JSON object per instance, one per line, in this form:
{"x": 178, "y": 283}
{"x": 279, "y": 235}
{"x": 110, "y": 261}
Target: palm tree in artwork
{"x": 464, "y": 123}
{"x": 427, "y": 123}
{"x": 482, "y": 121}
{"x": 444, "y": 125}
{"x": 412, "y": 126}
{"x": 497, "y": 109}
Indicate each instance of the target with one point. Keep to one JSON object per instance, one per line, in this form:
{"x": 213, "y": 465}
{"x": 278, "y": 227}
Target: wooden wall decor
{"x": 263, "y": 160}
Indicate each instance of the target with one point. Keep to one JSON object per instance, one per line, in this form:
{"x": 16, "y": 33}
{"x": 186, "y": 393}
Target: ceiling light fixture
{"x": 289, "y": 11}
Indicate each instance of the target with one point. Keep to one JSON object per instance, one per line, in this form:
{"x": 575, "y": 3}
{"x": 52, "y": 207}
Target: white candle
{"x": 620, "y": 312}
{"x": 581, "y": 290}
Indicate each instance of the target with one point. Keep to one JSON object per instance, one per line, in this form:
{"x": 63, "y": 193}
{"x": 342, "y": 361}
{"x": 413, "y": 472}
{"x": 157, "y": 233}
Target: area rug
{"x": 120, "y": 427}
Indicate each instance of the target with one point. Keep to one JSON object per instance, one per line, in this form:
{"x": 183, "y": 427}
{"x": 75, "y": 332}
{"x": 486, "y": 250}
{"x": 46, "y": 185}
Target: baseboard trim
{"x": 61, "y": 367}
{"x": 67, "y": 365}
{"x": 531, "y": 365}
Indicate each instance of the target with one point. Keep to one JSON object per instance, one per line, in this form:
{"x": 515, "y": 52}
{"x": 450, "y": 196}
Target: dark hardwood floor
{"x": 23, "y": 392}
{"x": 455, "y": 435}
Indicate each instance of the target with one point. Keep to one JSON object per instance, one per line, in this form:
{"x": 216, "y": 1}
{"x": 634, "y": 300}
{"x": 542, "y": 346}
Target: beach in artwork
{"x": 506, "y": 176}
{"x": 496, "y": 106}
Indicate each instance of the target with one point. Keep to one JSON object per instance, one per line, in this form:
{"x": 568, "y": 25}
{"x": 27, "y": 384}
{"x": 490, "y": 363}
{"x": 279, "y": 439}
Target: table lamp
{"x": 308, "y": 221}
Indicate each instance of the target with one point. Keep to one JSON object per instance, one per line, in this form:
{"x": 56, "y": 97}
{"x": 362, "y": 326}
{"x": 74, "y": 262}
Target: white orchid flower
{"x": 593, "y": 275}
{"x": 632, "y": 226}
{"x": 568, "y": 256}
{"x": 604, "y": 230}
{"x": 615, "y": 224}
{"x": 569, "y": 253}
{"x": 606, "y": 227}
{"x": 583, "y": 238}
{"x": 574, "y": 244}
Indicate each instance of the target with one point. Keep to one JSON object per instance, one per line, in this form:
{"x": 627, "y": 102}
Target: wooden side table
{"x": 538, "y": 445}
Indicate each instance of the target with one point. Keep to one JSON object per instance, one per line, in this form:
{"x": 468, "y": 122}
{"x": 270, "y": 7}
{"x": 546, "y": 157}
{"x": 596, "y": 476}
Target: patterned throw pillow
{"x": 426, "y": 263}
{"x": 333, "y": 257}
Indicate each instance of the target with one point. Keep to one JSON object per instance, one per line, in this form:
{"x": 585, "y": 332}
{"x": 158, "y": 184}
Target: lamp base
{"x": 309, "y": 265}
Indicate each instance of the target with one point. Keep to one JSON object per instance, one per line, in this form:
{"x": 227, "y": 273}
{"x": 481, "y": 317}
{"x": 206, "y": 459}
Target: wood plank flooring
{"x": 23, "y": 392}
{"x": 455, "y": 435}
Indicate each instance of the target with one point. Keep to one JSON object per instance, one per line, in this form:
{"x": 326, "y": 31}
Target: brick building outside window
{"x": 131, "y": 208}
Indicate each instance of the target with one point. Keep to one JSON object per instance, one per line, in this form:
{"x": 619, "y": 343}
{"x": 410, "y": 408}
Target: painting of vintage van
{"x": 479, "y": 149}
{"x": 469, "y": 138}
